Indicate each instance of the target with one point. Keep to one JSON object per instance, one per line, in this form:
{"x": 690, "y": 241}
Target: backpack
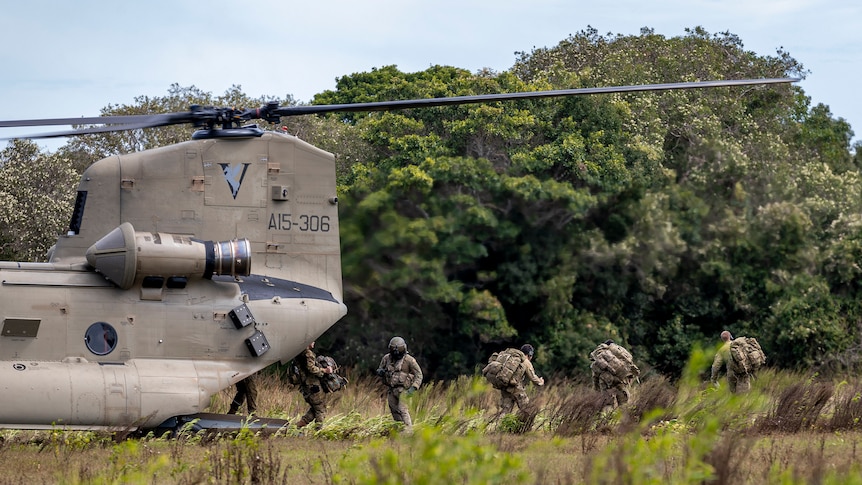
{"x": 614, "y": 363}
{"x": 746, "y": 356}
{"x": 331, "y": 382}
{"x": 293, "y": 376}
{"x": 503, "y": 368}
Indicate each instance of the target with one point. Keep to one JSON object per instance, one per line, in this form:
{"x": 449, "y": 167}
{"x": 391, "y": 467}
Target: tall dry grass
{"x": 791, "y": 428}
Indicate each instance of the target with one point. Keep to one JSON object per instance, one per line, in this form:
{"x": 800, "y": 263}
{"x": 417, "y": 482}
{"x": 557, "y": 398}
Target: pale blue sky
{"x": 66, "y": 59}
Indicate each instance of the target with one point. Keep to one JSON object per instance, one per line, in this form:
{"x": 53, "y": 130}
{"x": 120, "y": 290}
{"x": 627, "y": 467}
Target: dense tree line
{"x": 656, "y": 219}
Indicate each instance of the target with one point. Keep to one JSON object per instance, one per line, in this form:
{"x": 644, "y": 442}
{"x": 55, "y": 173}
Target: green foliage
{"x": 37, "y": 191}
{"x": 433, "y": 457}
{"x": 354, "y": 426}
{"x": 510, "y": 423}
{"x": 780, "y": 432}
{"x": 679, "y": 451}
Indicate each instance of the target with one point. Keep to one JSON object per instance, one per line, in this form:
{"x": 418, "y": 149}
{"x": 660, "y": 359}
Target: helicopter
{"x": 187, "y": 268}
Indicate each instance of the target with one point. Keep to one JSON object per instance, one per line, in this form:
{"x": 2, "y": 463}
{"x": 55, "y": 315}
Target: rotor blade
{"x": 95, "y": 120}
{"x": 85, "y": 131}
{"x": 120, "y": 123}
{"x": 483, "y": 98}
{"x": 209, "y": 115}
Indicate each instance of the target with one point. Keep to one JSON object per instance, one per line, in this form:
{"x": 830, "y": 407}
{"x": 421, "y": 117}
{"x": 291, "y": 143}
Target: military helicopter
{"x": 186, "y": 268}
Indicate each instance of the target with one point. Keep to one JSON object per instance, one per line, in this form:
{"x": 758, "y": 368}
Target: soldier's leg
{"x": 318, "y": 407}
{"x": 732, "y": 381}
{"x": 743, "y": 383}
{"x": 608, "y": 398}
{"x": 250, "y": 394}
{"x": 521, "y": 397}
{"x": 393, "y": 398}
{"x": 238, "y": 398}
{"x": 309, "y": 415}
{"x": 507, "y": 401}
{"x": 621, "y": 394}
{"x": 399, "y": 409}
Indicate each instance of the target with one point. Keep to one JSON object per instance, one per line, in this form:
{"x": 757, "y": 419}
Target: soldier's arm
{"x": 381, "y": 369}
{"x": 530, "y": 372}
{"x": 417, "y": 373}
{"x": 716, "y": 366}
{"x": 311, "y": 365}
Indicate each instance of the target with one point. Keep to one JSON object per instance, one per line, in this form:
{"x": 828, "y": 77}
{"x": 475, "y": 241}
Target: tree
{"x": 656, "y": 218}
{"x": 37, "y": 191}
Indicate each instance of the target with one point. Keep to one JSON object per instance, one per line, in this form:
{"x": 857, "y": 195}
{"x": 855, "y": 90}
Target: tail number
{"x": 279, "y": 221}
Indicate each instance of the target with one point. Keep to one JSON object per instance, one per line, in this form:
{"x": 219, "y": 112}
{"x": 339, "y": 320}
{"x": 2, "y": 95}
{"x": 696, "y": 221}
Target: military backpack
{"x": 293, "y": 376}
{"x": 331, "y": 382}
{"x": 613, "y": 363}
{"x": 505, "y": 368}
{"x": 746, "y": 356}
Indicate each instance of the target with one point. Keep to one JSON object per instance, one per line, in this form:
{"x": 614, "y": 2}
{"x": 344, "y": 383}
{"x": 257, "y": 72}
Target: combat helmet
{"x": 528, "y": 350}
{"x": 398, "y": 346}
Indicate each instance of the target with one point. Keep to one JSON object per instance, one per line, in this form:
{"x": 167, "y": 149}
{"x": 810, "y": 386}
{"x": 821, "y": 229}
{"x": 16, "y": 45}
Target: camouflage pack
{"x": 293, "y": 376}
{"x": 504, "y": 369}
{"x": 746, "y": 356}
{"x": 613, "y": 362}
{"x": 331, "y": 382}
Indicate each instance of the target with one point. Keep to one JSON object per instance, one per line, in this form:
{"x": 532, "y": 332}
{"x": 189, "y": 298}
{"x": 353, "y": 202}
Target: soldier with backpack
{"x": 742, "y": 357}
{"x": 506, "y": 371}
{"x": 310, "y": 376}
{"x": 613, "y": 370}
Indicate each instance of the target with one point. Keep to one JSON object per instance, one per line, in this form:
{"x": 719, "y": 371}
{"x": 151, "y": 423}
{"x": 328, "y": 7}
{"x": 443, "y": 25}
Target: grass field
{"x": 792, "y": 428}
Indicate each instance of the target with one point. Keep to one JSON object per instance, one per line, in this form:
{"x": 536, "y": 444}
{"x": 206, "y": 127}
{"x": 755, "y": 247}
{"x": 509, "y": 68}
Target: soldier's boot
{"x": 301, "y": 423}
{"x": 234, "y": 407}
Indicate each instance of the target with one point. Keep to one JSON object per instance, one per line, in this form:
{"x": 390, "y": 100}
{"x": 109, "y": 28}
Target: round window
{"x": 101, "y": 338}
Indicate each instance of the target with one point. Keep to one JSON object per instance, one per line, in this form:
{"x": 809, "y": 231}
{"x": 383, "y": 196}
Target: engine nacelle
{"x": 124, "y": 255}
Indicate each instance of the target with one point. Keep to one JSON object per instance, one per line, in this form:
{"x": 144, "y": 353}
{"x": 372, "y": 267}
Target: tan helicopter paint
{"x": 175, "y": 346}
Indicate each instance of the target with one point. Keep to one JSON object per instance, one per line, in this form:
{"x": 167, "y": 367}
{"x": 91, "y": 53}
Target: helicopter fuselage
{"x": 185, "y": 269}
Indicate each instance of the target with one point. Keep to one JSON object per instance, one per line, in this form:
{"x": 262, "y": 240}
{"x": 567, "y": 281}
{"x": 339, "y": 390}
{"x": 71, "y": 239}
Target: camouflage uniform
{"x": 607, "y": 383}
{"x": 736, "y": 382}
{"x": 246, "y": 390}
{"x": 311, "y": 388}
{"x": 400, "y": 373}
{"x": 517, "y": 393}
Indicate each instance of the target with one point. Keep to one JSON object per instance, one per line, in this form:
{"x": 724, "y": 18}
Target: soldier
{"x": 613, "y": 371}
{"x": 400, "y": 373}
{"x": 508, "y": 377}
{"x": 246, "y": 390}
{"x": 311, "y": 387}
{"x": 738, "y": 377}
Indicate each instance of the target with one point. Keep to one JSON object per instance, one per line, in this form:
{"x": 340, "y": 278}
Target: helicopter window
{"x": 153, "y": 282}
{"x": 101, "y": 338}
{"x": 175, "y": 282}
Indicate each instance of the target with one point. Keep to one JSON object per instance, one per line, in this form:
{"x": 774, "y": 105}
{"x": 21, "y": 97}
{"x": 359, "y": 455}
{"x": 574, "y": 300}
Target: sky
{"x": 67, "y": 59}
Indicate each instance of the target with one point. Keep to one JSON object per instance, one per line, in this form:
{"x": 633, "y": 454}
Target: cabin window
{"x": 101, "y": 338}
